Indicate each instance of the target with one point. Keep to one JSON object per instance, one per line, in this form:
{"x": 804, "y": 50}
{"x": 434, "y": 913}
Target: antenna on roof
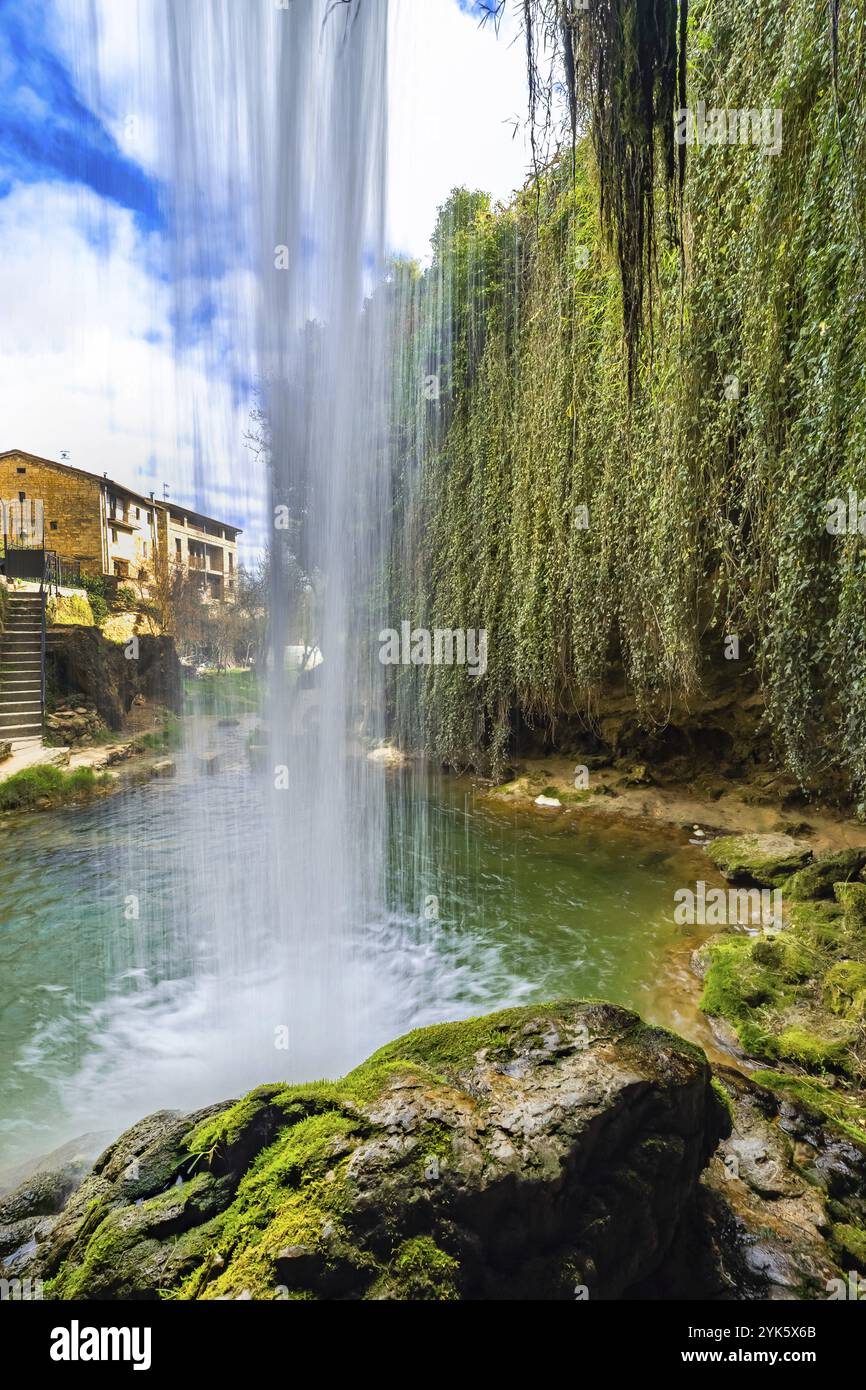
{"x": 165, "y": 492}
{"x": 64, "y": 453}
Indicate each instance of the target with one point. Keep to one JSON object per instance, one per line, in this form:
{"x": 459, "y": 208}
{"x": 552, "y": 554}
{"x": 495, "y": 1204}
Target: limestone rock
{"x": 818, "y": 878}
{"x": 514, "y": 1156}
{"x": 766, "y": 860}
{"x": 761, "y": 1221}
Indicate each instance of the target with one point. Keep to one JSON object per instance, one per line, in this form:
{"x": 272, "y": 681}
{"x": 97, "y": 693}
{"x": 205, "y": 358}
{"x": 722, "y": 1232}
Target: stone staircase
{"x": 21, "y": 669}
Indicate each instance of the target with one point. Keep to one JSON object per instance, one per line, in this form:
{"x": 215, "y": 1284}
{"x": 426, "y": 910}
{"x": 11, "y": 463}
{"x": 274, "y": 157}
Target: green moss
{"x": 828, "y": 1103}
{"x": 723, "y": 1098}
{"x": 849, "y": 1245}
{"x": 421, "y": 1271}
{"x": 24, "y": 790}
{"x": 844, "y": 989}
{"x": 70, "y": 610}
{"x": 753, "y": 859}
{"x": 810, "y": 1050}
{"x": 291, "y": 1192}
{"x": 816, "y": 880}
{"x": 119, "y": 1239}
{"x": 852, "y": 897}
{"x": 768, "y": 991}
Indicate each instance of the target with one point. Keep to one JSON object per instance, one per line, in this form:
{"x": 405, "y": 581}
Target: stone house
{"x": 110, "y": 529}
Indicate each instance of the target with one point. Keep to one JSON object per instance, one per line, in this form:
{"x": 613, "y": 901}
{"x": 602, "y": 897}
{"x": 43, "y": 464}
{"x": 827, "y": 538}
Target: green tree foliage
{"x": 706, "y": 486}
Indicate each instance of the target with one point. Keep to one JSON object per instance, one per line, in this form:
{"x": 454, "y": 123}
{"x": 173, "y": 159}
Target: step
{"x": 21, "y": 710}
{"x": 21, "y": 731}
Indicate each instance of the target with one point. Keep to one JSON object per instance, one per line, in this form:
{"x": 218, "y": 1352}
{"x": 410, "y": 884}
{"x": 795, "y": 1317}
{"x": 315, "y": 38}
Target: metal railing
{"x": 42, "y": 606}
{"x": 62, "y": 573}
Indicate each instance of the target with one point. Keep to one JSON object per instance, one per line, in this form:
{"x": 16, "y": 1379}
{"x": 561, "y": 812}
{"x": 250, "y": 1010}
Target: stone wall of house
{"x": 71, "y": 501}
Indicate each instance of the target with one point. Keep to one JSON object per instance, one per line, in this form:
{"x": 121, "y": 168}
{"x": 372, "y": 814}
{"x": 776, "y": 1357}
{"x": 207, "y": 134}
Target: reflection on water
{"x": 136, "y": 975}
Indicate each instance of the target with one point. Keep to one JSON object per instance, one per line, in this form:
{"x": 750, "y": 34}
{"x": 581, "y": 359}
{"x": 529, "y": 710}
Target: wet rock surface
{"x": 521, "y": 1155}
{"x": 765, "y": 1220}
{"x": 550, "y": 1152}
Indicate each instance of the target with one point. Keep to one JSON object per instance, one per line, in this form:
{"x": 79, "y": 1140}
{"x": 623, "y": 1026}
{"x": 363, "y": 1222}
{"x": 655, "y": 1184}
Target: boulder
{"x": 543, "y": 1152}
{"x": 84, "y": 661}
{"x": 765, "y": 860}
{"x": 817, "y": 879}
{"x": 164, "y": 768}
{"x": 764, "y": 1210}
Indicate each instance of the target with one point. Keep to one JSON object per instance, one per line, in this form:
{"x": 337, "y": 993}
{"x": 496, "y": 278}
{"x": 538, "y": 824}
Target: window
{"x": 53, "y": 525}
{"x": 20, "y": 470}
{"x": 22, "y": 497}
{"x": 137, "y": 514}
{"x": 177, "y": 545}
{"x": 121, "y": 569}
{"x": 231, "y": 563}
{"x": 144, "y": 549}
{"x": 149, "y": 518}
{"x": 113, "y": 534}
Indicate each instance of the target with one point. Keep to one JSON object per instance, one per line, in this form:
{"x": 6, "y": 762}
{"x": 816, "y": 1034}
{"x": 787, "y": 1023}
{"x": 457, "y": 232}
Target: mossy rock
{"x": 510, "y": 1156}
{"x": 764, "y": 860}
{"x": 849, "y": 1244}
{"x": 844, "y": 989}
{"x": 817, "y": 879}
{"x": 852, "y": 897}
{"x": 765, "y": 990}
{"x": 828, "y": 1104}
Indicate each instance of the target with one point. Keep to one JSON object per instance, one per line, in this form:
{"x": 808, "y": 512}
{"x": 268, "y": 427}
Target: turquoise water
{"x": 122, "y": 992}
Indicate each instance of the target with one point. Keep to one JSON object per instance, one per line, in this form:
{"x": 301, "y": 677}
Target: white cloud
{"x": 457, "y": 93}
{"x": 86, "y": 362}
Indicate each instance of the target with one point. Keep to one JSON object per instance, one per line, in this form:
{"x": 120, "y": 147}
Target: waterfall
{"x": 277, "y": 119}
{"x": 275, "y": 920}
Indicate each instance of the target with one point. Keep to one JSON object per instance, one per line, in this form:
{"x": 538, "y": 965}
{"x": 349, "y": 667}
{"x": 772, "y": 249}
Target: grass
{"x": 164, "y": 740}
{"x": 223, "y": 693}
{"x": 24, "y": 790}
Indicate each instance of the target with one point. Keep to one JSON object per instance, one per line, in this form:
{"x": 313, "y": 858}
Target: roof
{"x": 121, "y": 487}
{"x": 200, "y": 516}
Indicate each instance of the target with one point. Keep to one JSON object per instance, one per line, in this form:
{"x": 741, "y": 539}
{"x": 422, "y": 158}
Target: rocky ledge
{"x": 556, "y": 1151}
{"x": 530, "y": 1153}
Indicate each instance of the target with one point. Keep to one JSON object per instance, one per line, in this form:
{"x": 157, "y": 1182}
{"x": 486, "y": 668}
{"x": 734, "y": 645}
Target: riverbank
{"x": 602, "y": 787}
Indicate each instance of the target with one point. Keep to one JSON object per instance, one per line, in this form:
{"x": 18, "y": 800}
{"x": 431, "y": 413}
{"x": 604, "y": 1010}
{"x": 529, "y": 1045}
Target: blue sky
{"x": 47, "y": 133}
{"x": 116, "y": 348}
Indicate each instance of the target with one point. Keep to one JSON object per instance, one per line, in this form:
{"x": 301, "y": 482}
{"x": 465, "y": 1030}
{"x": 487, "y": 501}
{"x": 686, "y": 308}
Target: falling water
{"x": 278, "y": 123}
